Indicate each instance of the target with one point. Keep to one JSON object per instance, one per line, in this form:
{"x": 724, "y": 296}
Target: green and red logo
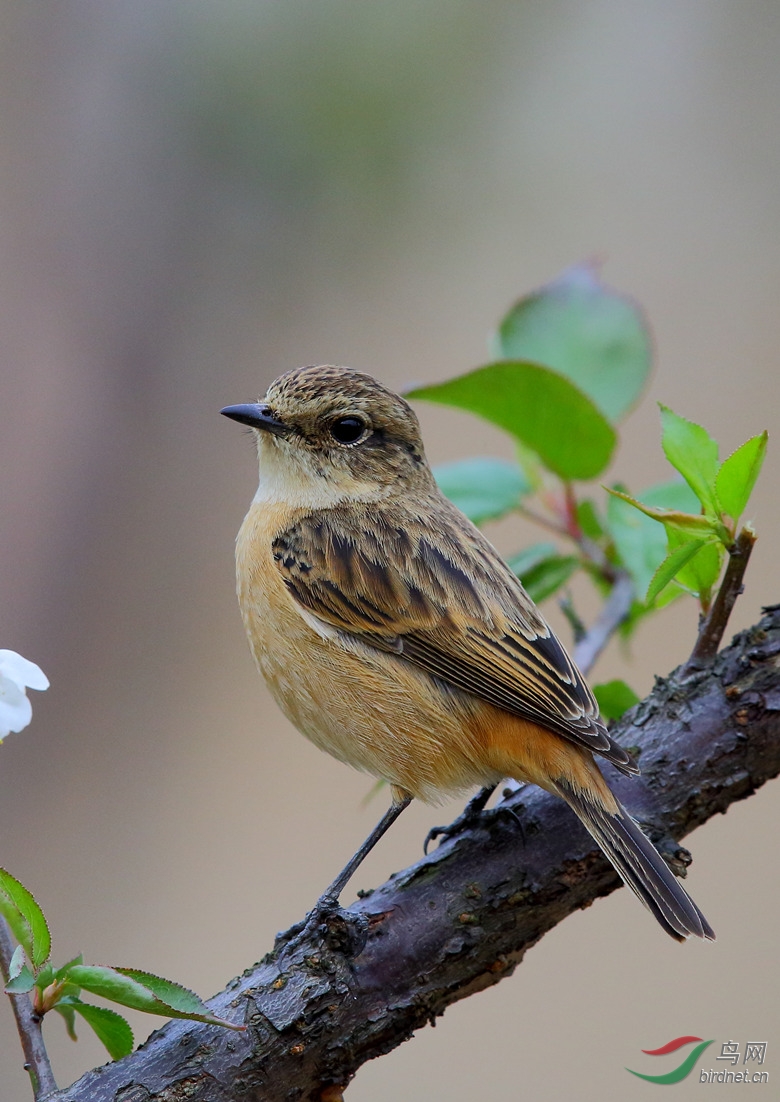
{"x": 682, "y": 1070}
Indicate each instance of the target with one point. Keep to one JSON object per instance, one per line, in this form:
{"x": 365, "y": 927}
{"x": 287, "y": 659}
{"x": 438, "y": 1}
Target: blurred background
{"x": 196, "y": 195}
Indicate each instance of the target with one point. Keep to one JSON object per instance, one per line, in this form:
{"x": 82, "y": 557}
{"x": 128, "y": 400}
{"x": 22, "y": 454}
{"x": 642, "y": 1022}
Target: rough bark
{"x": 463, "y": 918}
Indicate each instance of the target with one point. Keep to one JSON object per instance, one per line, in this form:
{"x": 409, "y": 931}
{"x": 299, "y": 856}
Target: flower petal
{"x": 15, "y": 715}
{"x": 21, "y": 671}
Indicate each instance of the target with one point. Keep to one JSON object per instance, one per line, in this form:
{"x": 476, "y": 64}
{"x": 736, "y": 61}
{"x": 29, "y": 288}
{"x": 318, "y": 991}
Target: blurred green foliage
{"x": 575, "y": 357}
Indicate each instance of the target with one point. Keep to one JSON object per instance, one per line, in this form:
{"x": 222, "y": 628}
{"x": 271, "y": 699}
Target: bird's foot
{"x": 474, "y": 814}
{"x": 328, "y": 924}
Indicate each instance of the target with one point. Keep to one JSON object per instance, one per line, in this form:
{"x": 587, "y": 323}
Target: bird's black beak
{"x": 257, "y": 416}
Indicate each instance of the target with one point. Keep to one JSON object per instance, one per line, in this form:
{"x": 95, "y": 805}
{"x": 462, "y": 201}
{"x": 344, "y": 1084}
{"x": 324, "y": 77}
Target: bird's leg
{"x": 328, "y": 903}
{"x": 473, "y": 813}
{"x": 332, "y": 893}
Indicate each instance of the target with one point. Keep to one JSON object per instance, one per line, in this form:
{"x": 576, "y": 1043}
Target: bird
{"x": 393, "y": 635}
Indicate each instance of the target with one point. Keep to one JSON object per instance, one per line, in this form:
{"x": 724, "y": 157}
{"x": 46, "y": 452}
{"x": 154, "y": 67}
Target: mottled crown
{"x": 307, "y": 394}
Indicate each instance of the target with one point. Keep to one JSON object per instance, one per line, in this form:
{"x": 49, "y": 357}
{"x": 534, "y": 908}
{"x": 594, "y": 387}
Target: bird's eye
{"x": 348, "y": 430}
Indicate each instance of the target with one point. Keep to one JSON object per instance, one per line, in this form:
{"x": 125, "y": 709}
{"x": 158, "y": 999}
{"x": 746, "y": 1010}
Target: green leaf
{"x": 179, "y": 998}
{"x": 44, "y": 976}
{"x": 26, "y": 919}
{"x": 737, "y": 475}
{"x": 673, "y": 562}
{"x": 589, "y": 520}
{"x": 586, "y": 331}
{"x": 694, "y": 525}
{"x": 144, "y": 991}
{"x": 641, "y": 542}
{"x": 62, "y": 972}
{"x": 541, "y": 408}
{"x": 542, "y": 575}
{"x": 614, "y": 698}
{"x": 482, "y": 488}
{"x": 17, "y": 962}
{"x": 65, "y": 1008}
{"x": 20, "y": 977}
{"x": 701, "y": 572}
{"x": 531, "y": 556}
{"x": 693, "y": 452}
{"x": 111, "y": 1028}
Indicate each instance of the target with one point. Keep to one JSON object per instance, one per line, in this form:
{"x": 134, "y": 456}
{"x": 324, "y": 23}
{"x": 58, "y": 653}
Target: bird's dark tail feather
{"x": 640, "y": 866}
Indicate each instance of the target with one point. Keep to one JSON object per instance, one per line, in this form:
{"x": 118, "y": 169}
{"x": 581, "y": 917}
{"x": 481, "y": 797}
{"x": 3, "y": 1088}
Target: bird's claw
{"x": 473, "y": 815}
{"x": 341, "y": 930}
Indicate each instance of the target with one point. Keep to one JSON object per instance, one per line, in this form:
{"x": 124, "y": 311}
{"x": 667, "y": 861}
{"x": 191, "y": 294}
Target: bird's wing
{"x": 444, "y": 600}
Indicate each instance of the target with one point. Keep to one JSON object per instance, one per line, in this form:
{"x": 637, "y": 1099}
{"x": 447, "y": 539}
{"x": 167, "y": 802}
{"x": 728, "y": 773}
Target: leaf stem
{"x": 612, "y": 615}
{"x": 28, "y": 1024}
{"x": 570, "y": 504}
{"x": 545, "y": 522}
{"x": 714, "y": 623}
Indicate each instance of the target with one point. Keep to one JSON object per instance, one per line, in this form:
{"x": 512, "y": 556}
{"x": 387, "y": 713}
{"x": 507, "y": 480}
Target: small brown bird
{"x": 393, "y": 635}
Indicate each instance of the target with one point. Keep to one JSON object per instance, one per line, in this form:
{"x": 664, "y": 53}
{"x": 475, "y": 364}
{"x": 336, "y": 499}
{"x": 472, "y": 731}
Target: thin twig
{"x": 610, "y": 618}
{"x": 545, "y": 522}
{"x": 714, "y": 623}
{"x": 566, "y": 605}
{"x": 28, "y": 1024}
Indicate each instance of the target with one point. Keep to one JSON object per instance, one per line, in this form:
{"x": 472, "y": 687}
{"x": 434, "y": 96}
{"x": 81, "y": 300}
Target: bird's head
{"x": 325, "y": 434}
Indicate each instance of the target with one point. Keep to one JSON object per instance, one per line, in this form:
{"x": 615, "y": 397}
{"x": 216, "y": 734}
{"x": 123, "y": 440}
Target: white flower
{"x": 16, "y": 676}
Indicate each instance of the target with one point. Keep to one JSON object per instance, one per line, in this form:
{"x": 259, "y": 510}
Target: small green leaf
{"x": 20, "y": 977}
{"x": 701, "y": 572}
{"x": 482, "y": 488}
{"x": 641, "y": 542}
{"x": 111, "y": 1028}
{"x": 17, "y": 962}
{"x": 26, "y": 919}
{"x": 62, "y": 972}
{"x": 542, "y": 577}
{"x": 692, "y": 451}
{"x": 144, "y": 991}
{"x": 614, "y": 698}
{"x": 65, "y": 1008}
{"x": 673, "y": 562}
{"x": 737, "y": 475}
{"x": 540, "y": 407}
{"x": 694, "y": 525}
{"x": 44, "y": 976}
{"x": 585, "y": 330}
{"x": 589, "y": 520}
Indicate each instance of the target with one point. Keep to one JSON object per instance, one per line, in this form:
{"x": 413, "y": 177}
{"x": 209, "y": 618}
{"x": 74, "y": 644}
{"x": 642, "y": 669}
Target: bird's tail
{"x": 639, "y": 864}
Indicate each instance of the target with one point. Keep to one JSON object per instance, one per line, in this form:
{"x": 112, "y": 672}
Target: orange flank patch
{"x": 519, "y": 748}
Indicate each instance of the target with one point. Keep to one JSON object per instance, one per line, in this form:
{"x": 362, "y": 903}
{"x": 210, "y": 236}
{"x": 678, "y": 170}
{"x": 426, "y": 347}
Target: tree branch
{"x": 714, "y": 623}
{"x": 463, "y": 918}
{"x": 28, "y": 1024}
{"x": 612, "y": 615}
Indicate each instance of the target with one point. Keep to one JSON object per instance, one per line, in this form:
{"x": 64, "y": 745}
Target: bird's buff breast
{"x": 366, "y": 708}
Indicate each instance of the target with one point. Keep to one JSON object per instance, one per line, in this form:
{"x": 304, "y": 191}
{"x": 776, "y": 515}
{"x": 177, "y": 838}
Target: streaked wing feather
{"x": 446, "y": 602}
